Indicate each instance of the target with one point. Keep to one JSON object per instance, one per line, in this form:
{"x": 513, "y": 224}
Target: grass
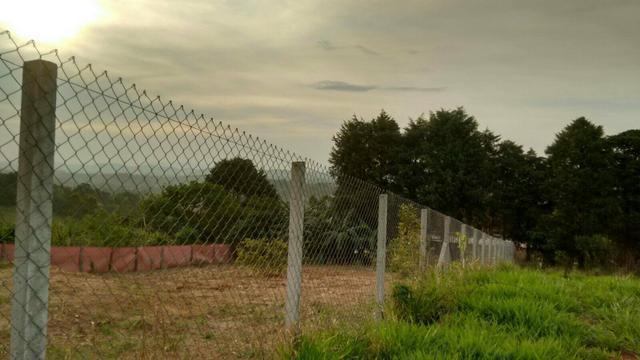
{"x": 7, "y": 214}
{"x": 508, "y": 313}
{"x": 217, "y": 311}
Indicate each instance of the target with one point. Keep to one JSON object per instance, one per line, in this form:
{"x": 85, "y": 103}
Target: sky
{"x": 292, "y": 71}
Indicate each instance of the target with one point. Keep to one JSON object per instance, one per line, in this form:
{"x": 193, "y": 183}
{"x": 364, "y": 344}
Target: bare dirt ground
{"x": 207, "y": 312}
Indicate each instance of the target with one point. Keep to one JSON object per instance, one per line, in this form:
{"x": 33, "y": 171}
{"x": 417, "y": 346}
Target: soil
{"x": 197, "y": 312}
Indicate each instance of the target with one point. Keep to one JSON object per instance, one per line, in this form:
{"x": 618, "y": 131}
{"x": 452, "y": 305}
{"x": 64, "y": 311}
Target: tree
{"x": 626, "y": 159}
{"x": 447, "y": 164}
{"x": 204, "y": 209}
{"x": 367, "y": 150}
{"x": 581, "y": 186}
{"x": 8, "y": 183}
{"x": 518, "y": 198}
{"x": 332, "y": 238}
{"x": 241, "y": 177}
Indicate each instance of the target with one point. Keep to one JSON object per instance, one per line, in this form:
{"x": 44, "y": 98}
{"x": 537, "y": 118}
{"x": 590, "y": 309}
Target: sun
{"x": 49, "y": 21}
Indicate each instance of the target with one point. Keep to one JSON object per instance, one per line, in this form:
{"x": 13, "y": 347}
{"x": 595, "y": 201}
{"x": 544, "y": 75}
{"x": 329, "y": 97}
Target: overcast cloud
{"x": 292, "y": 71}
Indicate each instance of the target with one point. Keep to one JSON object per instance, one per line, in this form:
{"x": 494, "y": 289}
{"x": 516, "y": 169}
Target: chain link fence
{"x": 132, "y": 227}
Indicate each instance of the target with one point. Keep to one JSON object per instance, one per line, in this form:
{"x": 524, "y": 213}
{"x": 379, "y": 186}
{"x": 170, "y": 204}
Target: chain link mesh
{"x": 169, "y": 230}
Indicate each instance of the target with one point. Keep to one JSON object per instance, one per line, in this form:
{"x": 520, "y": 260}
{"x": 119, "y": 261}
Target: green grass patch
{"x": 506, "y": 313}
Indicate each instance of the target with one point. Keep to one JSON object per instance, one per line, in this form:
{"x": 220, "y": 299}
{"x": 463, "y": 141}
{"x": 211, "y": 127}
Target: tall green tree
{"x": 367, "y": 150}
{"x": 241, "y": 177}
{"x": 8, "y": 188}
{"x": 446, "y": 164}
{"x": 518, "y": 198}
{"x": 364, "y": 160}
{"x": 581, "y": 186}
{"x": 626, "y": 159}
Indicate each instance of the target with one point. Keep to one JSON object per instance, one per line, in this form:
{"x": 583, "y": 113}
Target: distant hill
{"x": 153, "y": 180}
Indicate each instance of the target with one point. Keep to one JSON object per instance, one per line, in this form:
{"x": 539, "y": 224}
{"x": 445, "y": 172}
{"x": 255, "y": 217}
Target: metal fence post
{"x": 381, "y": 254}
{"x": 34, "y": 211}
{"x": 294, "y": 258}
{"x": 424, "y": 213}
{"x": 445, "y": 255}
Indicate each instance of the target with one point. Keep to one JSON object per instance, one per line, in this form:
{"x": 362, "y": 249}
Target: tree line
{"x": 577, "y": 204}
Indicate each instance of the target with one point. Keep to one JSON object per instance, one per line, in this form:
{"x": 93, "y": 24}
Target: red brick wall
{"x": 128, "y": 259}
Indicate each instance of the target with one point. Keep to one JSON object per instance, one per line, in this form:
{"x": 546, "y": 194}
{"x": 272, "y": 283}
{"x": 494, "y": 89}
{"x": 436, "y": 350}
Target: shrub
{"x": 187, "y": 235}
{"x": 215, "y": 214}
{"x": 425, "y": 301}
{"x": 463, "y": 241}
{"x": 403, "y": 251}
{"x": 7, "y": 233}
{"x": 103, "y": 229}
{"x": 333, "y": 236}
{"x": 268, "y": 257}
{"x": 596, "y": 250}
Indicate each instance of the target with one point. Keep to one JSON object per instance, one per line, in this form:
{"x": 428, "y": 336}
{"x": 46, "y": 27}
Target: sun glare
{"x": 49, "y": 21}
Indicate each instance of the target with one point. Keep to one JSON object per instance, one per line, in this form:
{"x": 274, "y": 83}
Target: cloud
{"x": 416, "y": 88}
{"x": 522, "y": 68}
{"x": 326, "y": 45}
{"x": 345, "y": 86}
{"x": 329, "y": 46}
{"x": 341, "y": 86}
{"x": 365, "y": 50}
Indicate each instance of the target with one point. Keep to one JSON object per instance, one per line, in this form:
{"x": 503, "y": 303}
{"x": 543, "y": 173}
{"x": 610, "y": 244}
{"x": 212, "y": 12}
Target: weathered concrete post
{"x": 34, "y": 211}
{"x": 492, "y": 250}
{"x": 483, "y": 247}
{"x": 474, "y": 244}
{"x": 445, "y": 255}
{"x": 381, "y": 254}
{"x": 463, "y": 237}
{"x": 294, "y": 251}
{"x": 424, "y": 214}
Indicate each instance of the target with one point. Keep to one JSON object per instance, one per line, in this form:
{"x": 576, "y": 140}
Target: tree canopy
{"x": 241, "y": 177}
{"x": 572, "y": 204}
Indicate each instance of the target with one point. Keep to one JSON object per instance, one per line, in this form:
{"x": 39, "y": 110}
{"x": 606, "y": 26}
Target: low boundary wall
{"x": 129, "y": 259}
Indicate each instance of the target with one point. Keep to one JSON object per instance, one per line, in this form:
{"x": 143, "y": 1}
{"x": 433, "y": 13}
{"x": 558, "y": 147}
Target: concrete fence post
{"x": 294, "y": 251}
{"x": 463, "y": 235}
{"x": 445, "y": 256}
{"x": 424, "y": 213}
{"x": 34, "y": 211}
{"x": 474, "y": 244}
{"x": 503, "y": 250}
{"x": 381, "y": 254}
{"x": 491, "y": 249}
{"x": 482, "y": 247}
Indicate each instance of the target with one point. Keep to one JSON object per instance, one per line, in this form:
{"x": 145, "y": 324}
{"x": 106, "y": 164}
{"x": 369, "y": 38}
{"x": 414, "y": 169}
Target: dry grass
{"x": 208, "y": 312}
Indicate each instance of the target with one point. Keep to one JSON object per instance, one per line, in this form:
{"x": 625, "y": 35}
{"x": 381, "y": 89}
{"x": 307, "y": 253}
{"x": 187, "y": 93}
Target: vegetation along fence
{"x": 89, "y": 162}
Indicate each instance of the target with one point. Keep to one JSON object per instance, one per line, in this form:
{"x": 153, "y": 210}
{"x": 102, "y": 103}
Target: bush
{"x": 7, "y": 233}
{"x": 427, "y": 300}
{"x": 103, "y": 229}
{"x": 187, "y": 235}
{"x": 596, "y": 250}
{"x": 265, "y": 256}
{"x": 424, "y": 306}
{"x": 332, "y": 238}
{"x": 404, "y": 249}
